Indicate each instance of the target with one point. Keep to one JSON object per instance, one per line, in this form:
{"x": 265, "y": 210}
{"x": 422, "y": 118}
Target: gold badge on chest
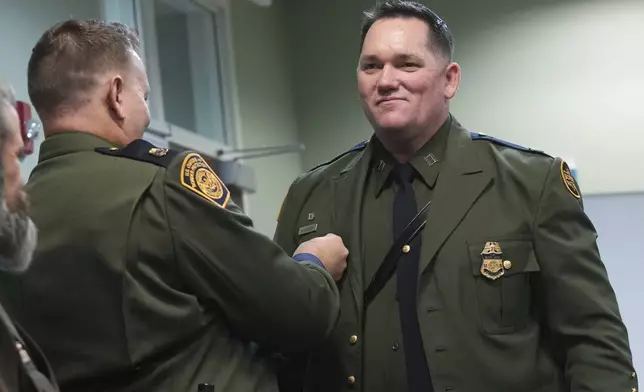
{"x": 492, "y": 261}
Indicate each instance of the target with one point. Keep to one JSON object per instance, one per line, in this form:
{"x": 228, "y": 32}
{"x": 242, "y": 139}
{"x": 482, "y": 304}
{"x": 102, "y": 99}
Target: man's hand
{"x": 330, "y": 250}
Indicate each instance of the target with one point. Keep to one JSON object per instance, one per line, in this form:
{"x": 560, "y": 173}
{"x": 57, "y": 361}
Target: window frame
{"x": 220, "y": 52}
{"x": 132, "y": 13}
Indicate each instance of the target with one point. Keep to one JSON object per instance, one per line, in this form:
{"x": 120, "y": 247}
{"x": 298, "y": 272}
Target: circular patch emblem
{"x": 569, "y": 180}
{"x": 209, "y": 183}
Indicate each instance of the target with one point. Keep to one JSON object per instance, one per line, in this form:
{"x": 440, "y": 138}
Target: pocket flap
{"x": 517, "y": 255}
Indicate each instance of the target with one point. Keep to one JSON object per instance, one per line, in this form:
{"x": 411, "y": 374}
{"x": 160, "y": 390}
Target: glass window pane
{"x": 174, "y": 64}
{"x": 190, "y": 68}
{"x": 206, "y": 64}
{"x": 218, "y": 131}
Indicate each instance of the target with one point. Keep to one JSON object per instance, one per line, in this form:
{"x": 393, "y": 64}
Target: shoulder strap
{"x": 142, "y": 150}
{"x": 38, "y": 379}
{"x": 389, "y": 264}
{"x": 482, "y": 136}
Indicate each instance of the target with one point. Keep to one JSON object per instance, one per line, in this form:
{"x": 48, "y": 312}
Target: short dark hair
{"x": 7, "y": 100}
{"x": 440, "y": 38}
{"x": 69, "y": 55}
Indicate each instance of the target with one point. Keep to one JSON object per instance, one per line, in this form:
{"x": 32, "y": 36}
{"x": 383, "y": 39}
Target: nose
{"x": 388, "y": 79}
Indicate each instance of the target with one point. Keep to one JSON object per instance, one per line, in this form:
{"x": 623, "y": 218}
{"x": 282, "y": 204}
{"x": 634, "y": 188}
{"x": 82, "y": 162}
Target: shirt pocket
{"x": 505, "y": 303}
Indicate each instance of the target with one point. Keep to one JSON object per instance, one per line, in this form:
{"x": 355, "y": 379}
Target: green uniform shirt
{"x": 148, "y": 278}
{"x": 385, "y": 359}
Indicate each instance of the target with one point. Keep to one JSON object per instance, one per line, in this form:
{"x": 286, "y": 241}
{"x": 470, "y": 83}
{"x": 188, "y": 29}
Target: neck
{"x": 404, "y": 143}
{"x": 79, "y": 122}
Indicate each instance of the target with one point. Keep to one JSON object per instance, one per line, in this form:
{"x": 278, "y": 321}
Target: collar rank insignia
{"x": 492, "y": 257}
{"x": 158, "y": 152}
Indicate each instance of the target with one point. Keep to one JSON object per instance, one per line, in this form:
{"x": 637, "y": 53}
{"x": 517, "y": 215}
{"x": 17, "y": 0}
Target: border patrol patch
{"x": 197, "y": 176}
{"x": 569, "y": 180}
{"x": 279, "y": 213}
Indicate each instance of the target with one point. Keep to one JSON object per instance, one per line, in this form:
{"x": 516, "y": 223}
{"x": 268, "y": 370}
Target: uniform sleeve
{"x": 579, "y": 303}
{"x": 266, "y": 296}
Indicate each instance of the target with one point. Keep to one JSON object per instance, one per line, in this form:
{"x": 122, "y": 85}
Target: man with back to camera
{"x": 496, "y": 286}
{"x": 147, "y": 277}
{"x": 23, "y": 368}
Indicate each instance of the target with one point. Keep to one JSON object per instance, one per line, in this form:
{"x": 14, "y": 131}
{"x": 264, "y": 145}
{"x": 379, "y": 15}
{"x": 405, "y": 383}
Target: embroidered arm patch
{"x": 198, "y": 177}
{"x": 569, "y": 180}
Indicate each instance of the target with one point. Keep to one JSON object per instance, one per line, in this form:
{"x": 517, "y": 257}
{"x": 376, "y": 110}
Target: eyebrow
{"x": 401, "y": 56}
{"x": 368, "y": 57}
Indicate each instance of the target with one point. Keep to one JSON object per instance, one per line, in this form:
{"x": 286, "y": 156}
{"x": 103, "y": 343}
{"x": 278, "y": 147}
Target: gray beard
{"x": 18, "y": 239}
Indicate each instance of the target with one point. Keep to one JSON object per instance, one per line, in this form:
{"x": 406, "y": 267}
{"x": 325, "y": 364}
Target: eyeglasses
{"x": 32, "y": 130}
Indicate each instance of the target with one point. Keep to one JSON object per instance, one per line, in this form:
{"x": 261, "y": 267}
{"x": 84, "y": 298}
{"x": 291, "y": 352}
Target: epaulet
{"x": 358, "y": 147}
{"x": 142, "y": 150}
{"x": 482, "y": 136}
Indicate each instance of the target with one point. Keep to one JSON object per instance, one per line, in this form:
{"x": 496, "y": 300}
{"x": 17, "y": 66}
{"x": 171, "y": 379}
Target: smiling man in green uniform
{"x": 147, "y": 277}
{"x": 497, "y": 286}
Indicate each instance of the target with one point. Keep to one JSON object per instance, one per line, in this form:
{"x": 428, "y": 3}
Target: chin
{"x": 392, "y": 119}
{"x": 392, "y": 124}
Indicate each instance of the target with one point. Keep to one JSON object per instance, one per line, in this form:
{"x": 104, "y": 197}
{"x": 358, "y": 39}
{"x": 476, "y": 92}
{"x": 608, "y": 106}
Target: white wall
{"x": 564, "y": 76}
{"x": 263, "y": 67}
{"x": 324, "y": 39}
{"x": 619, "y": 220}
{"x": 22, "y": 22}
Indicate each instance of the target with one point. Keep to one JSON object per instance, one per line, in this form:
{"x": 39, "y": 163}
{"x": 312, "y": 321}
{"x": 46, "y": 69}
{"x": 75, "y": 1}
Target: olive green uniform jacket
{"x": 148, "y": 278}
{"x": 550, "y": 323}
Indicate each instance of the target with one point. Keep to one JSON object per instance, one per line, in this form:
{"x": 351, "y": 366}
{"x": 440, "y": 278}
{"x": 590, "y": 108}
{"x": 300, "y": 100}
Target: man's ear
{"x": 453, "y": 79}
{"x": 115, "y": 97}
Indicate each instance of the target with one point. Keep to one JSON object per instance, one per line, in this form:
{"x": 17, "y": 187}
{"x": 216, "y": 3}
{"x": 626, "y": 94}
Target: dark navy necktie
{"x": 405, "y": 208}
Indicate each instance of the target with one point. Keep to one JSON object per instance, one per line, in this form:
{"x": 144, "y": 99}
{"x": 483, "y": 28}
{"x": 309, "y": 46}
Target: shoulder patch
{"x": 358, "y": 147}
{"x": 279, "y": 213}
{"x": 569, "y": 180}
{"x": 482, "y": 136}
{"x": 142, "y": 150}
{"x": 198, "y": 177}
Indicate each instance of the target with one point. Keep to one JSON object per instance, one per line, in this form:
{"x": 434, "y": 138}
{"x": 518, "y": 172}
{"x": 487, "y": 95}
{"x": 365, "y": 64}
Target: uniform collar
{"x": 426, "y": 160}
{"x": 64, "y": 143}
